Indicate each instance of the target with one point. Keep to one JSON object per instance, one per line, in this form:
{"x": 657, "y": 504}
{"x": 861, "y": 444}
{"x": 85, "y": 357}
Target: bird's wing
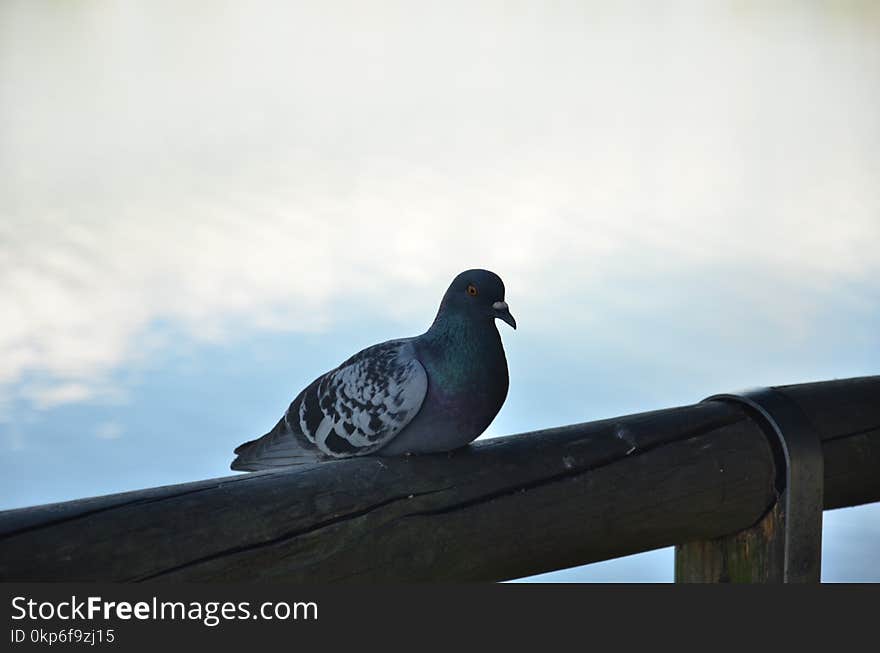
{"x": 360, "y": 406}
{"x": 353, "y": 410}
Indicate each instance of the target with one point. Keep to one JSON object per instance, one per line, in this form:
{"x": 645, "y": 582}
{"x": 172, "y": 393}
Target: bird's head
{"x": 479, "y": 294}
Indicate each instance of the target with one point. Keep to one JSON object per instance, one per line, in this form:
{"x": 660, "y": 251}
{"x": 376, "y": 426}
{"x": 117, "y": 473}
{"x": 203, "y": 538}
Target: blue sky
{"x": 202, "y": 210}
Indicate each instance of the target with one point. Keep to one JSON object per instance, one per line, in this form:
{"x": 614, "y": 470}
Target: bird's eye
{"x": 472, "y": 290}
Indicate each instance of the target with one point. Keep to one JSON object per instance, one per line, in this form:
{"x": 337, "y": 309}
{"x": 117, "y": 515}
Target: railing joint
{"x": 798, "y": 449}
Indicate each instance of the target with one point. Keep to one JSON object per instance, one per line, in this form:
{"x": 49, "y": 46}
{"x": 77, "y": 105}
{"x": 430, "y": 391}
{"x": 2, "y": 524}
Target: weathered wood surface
{"x": 752, "y": 555}
{"x": 499, "y": 509}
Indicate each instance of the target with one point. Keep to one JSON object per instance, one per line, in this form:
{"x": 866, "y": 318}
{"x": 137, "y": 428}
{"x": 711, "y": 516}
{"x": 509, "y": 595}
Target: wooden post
{"x": 753, "y": 555}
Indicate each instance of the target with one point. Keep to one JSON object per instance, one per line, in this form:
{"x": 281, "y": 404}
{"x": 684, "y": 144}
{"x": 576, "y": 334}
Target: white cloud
{"x": 49, "y": 396}
{"x": 109, "y": 431}
{"x": 268, "y": 178}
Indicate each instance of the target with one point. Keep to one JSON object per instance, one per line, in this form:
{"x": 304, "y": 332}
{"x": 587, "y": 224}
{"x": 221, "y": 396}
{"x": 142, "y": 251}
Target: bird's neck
{"x": 462, "y": 339}
{"x": 450, "y": 326}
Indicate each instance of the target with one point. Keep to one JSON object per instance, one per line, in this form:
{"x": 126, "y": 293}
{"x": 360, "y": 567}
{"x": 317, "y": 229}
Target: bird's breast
{"x": 470, "y": 385}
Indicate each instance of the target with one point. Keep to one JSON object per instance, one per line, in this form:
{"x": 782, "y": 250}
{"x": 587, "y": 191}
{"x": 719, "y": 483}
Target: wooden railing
{"x": 705, "y": 477}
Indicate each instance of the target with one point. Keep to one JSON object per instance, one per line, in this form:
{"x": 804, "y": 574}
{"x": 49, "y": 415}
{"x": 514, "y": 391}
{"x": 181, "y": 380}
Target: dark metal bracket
{"x": 803, "y": 462}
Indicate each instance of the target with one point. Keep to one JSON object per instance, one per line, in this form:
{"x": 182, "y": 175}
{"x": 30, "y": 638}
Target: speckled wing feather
{"x": 353, "y": 410}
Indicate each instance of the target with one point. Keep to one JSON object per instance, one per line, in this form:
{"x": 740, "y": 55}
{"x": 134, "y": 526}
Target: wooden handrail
{"x": 499, "y": 509}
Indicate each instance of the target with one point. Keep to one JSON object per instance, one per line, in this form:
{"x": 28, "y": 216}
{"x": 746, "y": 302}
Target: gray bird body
{"x": 430, "y": 393}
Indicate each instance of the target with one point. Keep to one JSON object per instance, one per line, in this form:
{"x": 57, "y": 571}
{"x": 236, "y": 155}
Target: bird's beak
{"x": 502, "y": 312}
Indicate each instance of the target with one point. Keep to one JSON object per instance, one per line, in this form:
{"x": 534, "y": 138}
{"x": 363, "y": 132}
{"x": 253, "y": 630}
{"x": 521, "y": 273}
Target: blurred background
{"x": 204, "y": 205}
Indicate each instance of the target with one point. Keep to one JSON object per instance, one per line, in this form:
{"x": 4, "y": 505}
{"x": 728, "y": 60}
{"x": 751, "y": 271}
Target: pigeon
{"x": 427, "y": 394}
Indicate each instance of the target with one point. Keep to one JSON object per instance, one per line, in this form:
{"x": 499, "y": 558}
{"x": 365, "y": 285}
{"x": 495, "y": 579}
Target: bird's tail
{"x": 280, "y": 447}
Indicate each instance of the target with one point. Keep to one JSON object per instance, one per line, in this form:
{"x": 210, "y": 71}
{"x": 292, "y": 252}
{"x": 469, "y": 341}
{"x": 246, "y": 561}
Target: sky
{"x": 203, "y": 206}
